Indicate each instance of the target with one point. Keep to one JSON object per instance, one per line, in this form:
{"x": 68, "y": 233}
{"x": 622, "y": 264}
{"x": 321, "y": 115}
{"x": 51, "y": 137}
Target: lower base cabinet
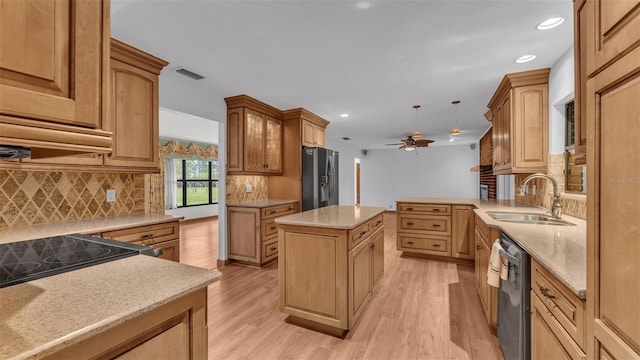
{"x": 165, "y": 236}
{"x": 176, "y": 330}
{"x": 484, "y": 237}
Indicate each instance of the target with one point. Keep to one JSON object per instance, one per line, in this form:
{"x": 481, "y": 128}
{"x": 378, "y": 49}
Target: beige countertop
{"x": 334, "y": 216}
{"x": 560, "y": 249}
{"x": 86, "y": 226}
{"x": 261, "y": 203}
{"x": 45, "y": 315}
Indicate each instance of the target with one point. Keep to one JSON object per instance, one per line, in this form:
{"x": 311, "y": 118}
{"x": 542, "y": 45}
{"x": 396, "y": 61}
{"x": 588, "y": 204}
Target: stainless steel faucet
{"x": 556, "y": 208}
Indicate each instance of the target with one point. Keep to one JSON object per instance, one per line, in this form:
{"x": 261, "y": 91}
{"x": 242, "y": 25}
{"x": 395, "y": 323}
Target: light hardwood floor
{"x": 199, "y": 242}
{"x": 422, "y": 309}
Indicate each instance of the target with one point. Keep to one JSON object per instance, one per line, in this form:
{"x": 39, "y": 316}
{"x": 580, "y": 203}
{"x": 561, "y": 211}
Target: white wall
{"x": 561, "y": 91}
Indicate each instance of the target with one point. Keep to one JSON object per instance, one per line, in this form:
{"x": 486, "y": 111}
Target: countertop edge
{"x": 284, "y": 221}
{"x": 261, "y": 203}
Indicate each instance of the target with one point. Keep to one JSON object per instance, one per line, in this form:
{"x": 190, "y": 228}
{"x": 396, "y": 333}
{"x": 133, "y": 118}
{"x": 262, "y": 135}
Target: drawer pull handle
{"x": 146, "y": 236}
{"x": 436, "y": 210}
{"x": 273, "y": 249}
{"x": 377, "y": 223}
{"x": 272, "y": 228}
{"x": 409, "y": 209}
{"x": 271, "y": 212}
{"x": 363, "y": 232}
{"x": 409, "y": 224}
{"x": 478, "y": 248}
{"x": 372, "y": 246}
{"x": 436, "y": 225}
{"x": 545, "y": 292}
{"x": 410, "y": 242}
{"x": 436, "y": 245}
{"x": 289, "y": 208}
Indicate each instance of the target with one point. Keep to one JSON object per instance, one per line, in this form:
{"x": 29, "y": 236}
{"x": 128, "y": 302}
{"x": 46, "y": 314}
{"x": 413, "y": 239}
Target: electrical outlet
{"x": 249, "y": 188}
{"x": 111, "y": 195}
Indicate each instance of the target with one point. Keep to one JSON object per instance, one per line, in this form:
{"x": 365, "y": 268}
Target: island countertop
{"x": 261, "y": 203}
{"x": 560, "y": 249}
{"x": 44, "y": 315}
{"x": 334, "y": 216}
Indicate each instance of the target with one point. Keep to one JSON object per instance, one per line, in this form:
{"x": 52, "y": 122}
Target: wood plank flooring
{"x": 422, "y": 309}
{"x": 199, "y": 242}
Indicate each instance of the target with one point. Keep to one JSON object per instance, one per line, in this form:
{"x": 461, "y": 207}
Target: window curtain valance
{"x": 174, "y": 149}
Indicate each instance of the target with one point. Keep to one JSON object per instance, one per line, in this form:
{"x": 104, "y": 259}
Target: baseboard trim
{"x": 222, "y": 263}
{"x": 468, "y": 262}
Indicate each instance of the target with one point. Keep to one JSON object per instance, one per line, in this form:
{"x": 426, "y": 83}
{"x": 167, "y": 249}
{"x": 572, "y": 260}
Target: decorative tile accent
{"x": 236, "y": 188}
{"x": 153, "y": 196}
{"x": 572, "y": 204}
{"x": 36, "y": 197}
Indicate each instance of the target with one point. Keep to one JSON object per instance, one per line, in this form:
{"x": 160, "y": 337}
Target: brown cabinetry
{"x": 612, "y": 35}
{"x": 254, "y": 137}
{"x": 253, "y": 233}
{"x": 462, "y": 232}
{"x": 54, "y": 58}
{"x": 484, "y": 238}
{"x": 165, "y": 236}
{"x": 300, "y": 128}
{"x": 519, "y": 112}
{"x": 557, "y": 322}
{"x": 176, "y": 330}
{"x": 327, "y": 276}
{"x": 580, "y": 17}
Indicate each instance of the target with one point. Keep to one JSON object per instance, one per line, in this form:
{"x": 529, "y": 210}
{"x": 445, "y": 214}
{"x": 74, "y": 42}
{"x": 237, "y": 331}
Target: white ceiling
{"x": 373, "y": 60}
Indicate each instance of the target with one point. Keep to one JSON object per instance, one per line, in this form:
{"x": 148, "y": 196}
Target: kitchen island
{"x": 330, "y": 262}
{"x": 139, "y": 306}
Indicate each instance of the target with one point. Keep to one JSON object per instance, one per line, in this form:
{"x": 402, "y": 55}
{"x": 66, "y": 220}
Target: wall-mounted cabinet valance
{"x": 175, "y": 149}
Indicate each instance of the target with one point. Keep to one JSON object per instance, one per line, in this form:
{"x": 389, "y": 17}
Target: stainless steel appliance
{"x": 484, "y": 192}
{"x": 319, "y": 177}
{"x": 34, "y": 259}
{"x": 514, "y": 305}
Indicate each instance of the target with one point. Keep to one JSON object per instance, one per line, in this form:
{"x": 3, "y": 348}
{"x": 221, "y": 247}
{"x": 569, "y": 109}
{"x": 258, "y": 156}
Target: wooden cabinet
{"x": 54, "y": 58}
{"x": 300, "y": 128}
{"x": 484, "y": 238}
{"x": 613, "y": 178}
{"x": 327, "y": 275}
{"x": 165, "y": 236}
{"x": 424, "y": 228}
{"x": 580, "y": 20}
{"x": 462, "y": 232}
{"x": 254, "y": 137}
{"x": 253, "y": 233}
{"x": 176, "y": 330}
{"x": 519, "y": 112}
{"x": 134, "y": 107}
{"x": 312, "y": 134}
{"x": 557, "y": 322}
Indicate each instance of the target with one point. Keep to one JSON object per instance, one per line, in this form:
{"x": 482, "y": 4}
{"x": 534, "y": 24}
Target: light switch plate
{"x": 249, "y": 188}
{"x": 111, "y": 195}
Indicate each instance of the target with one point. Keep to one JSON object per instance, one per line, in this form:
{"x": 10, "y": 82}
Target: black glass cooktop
{"x": 33, "y": 259}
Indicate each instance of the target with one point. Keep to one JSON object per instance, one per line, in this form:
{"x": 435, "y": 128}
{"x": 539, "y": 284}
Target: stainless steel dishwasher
{"x": 514, "y": 302}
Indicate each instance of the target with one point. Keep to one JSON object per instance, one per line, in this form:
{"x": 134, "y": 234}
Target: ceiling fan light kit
{"x": 410, "y": 143}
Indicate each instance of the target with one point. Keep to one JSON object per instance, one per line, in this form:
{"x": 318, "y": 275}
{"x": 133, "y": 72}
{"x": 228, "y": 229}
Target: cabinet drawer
{"x": 275, "y": 211}
{"x": 270, "y": 250}
{"x": 358, "y": 234}
{"x": 438, "y": 245}
{"x": 376, "y": 223}
{"x": 436, "y": 225}
{"x": 482, "y": 228}
{"x": 269, "y": 228}
{"x": 435, "y": 209}
{"x": 549, "y": 340}
{"x": 147, "y": 235}
{"x": 565, "y": 306}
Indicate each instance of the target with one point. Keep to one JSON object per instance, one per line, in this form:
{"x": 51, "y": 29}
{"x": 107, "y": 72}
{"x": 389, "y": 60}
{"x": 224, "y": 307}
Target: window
{"x": 197, "y": 182}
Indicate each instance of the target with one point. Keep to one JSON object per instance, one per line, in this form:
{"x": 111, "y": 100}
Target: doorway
{"x": 357, "y": 180}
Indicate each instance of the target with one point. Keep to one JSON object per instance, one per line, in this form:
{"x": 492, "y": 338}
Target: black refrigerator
{"x": 319, "y": 177}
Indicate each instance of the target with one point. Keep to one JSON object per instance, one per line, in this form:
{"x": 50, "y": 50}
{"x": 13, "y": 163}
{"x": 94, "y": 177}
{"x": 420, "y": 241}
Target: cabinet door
{"x": 614, "y": 30}
{"x": 359, "y": 279}
{"x": 505, "y": 120}
{"x": 235, "y": 140}
{"x": 613, "y": 248}
{"x": 308, "y": 133}
{"x": 244, "y": 234}
{"x": 52, "y": 56}
{"x": 580, "y": 21}
{"x": 530, "y": 127}
{"x": 319, "y": 135}
{"x": 463, "y": 232}
{"x": 485, "y": 253}
{"x": 170, "y": 250}
{"x": 476, "y": 264}
{"x": 544, "y": 344}
{"x": 254, "y": 141}
{"x": 273, "y": 148}
{"x": 133, "y": 117}
{"x": 497, "y": 137}
{"x": 377, "y": 240}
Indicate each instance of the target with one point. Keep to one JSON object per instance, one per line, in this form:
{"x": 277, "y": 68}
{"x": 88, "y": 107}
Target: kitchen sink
{"x": 527, "y": 218}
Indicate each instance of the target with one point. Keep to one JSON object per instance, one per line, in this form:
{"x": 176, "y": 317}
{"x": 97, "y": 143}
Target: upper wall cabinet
{"x": 254, "y": 137}
{"x": 313, "y": 131}
{"x": 519, "y": 111}
{"x": 54, "y": 58}
{"x": 133, "y": 117}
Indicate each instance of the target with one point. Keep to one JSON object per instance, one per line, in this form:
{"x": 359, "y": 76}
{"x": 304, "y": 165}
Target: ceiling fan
{"x": 410, "y": 144}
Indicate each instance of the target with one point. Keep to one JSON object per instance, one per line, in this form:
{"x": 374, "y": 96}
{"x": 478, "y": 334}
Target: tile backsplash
{"x": 36, "y": 197}
{"x": 237, "y": 188}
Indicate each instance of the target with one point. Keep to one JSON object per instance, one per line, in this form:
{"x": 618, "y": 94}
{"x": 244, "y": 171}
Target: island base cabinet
{"x": 176, "y": 330}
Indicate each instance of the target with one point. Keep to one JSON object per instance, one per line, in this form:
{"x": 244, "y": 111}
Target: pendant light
{"x": 456, "y": 131}
{"x": 416, "y": 134}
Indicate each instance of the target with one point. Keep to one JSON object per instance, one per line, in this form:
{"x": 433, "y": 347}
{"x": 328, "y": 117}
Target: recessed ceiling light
{"x": 344, "y": 115}
{"x": 550, "y": 23}
{"x": 451, "y": 139}
{"x": 525, "y": 58}
{"x": 363, "y": 4}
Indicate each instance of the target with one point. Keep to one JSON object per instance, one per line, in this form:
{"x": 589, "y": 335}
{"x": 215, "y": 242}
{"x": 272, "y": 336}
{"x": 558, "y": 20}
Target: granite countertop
{"x": 86, "y": 226}
{"x": 560, "y": 249}
{"x": 261, "y": 203}
{"x": 334, "y": 216}
{"x": 45, "y": 315}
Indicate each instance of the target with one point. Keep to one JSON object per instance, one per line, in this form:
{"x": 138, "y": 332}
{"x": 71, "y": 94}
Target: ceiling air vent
{"x": 190, "y": 74}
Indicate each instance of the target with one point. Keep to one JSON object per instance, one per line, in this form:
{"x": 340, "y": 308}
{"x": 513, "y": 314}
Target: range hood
{"x": 39, "y": 139}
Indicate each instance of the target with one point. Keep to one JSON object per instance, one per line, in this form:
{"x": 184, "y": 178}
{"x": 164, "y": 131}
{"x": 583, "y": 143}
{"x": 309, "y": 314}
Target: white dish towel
{"x": 498, "y": 268}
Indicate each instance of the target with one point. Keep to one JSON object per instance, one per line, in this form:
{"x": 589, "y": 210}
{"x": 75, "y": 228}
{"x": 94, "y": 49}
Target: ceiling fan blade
{"x": 394, "y": 144}
{"x": 423, "y": 143}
